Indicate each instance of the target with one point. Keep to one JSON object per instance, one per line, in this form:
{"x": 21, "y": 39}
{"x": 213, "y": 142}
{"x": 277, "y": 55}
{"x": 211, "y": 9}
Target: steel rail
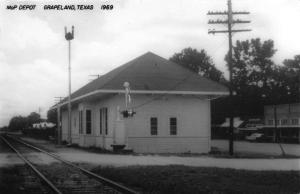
{"x": 48, "y": 182}
{"x": 108, "y": 182}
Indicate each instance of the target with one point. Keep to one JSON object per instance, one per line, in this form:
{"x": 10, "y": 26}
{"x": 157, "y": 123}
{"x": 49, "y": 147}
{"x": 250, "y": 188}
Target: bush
{"x": 40, "y": 133}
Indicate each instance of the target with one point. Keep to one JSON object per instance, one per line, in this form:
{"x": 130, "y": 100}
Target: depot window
{"x": 88, "y": 120}
{"x": 153, "y": 125}
{"x": 173, "y": 126}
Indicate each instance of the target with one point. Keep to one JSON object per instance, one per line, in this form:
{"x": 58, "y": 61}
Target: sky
{"x": 34, "y": 52}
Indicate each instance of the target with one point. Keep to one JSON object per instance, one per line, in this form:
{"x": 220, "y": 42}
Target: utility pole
{"x": 277, "y": 135}
{"x": 229, "y": 22}
{"x": 69, "y": 36}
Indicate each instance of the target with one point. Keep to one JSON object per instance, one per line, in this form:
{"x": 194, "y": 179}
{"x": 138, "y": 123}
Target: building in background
{"x": 288, "y": 121}
{"x": 171, "y": 102}
{"x": 43, "y": 125}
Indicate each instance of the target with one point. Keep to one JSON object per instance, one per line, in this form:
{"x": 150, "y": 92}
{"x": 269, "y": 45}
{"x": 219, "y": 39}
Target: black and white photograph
{"x": 148, "y": 96}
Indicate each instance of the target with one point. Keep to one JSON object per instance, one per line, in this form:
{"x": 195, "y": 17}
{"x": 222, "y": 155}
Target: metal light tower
{"x": 69, "y": 36}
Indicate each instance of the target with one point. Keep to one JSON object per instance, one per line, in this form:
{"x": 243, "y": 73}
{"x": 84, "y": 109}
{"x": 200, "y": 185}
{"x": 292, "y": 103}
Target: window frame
{"x": 153, "y": 126}
{"x": 80, "y": 122}
{"x": 103, "y": 117}
{"x": 100, "y": 121}
{"x": 284, "y": 121}
{"x": 295, "y": 121}
{"x": 173, "y": 127}
{"x": 74, "y": 122}
{"x": 270, "y": 121}
{"x": 106, "y": 120}
{"x": 88, "y": 124}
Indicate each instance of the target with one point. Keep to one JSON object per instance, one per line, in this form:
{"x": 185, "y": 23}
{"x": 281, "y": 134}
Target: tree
{"x": 17, "y": 123}
{"x": 291, "y": 74}
{"x": 33, "y": 118}
{"x": 257, "y": 80}
{"x": 254, "y": 76}
{"x": 252, "y": 67}
{"x": 4, "y": 128}
{"x": 52, "y": 116}
{"x": 198, "y": 62}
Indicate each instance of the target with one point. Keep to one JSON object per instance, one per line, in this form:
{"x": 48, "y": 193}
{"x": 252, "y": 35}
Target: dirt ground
{"x": 118, "y": 160}
{"x": 167, "y": 173}
{"x": 9, "y": 158}
{"x": 258, "y": 148}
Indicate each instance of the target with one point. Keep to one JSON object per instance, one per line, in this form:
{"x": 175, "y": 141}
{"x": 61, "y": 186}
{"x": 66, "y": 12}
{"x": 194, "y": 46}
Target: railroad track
{"x": 67, "y": 178}
{"x": 30, "y": 183}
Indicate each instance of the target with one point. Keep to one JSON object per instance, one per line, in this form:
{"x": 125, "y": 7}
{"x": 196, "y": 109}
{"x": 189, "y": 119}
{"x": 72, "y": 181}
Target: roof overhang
{"x": 213, "y": 94}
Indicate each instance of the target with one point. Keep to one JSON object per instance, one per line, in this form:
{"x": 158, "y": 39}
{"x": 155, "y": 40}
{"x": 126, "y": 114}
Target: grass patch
{"x": 183, "y": 179}
{"x": 11, "y": 179}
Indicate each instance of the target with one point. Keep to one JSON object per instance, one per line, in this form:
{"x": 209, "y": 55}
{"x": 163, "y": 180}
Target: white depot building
{"x": 171, "y": 102}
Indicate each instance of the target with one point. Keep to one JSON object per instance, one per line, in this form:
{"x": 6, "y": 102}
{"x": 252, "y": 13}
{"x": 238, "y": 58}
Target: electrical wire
{"x": 156, "y": 98}
{"x": 173, "y": 88}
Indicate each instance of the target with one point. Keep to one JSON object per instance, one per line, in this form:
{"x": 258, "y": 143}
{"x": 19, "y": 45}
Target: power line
{"x": 156, "y": 98}
{"x": 58, "y": 99}
{"x": 173, "y": 88}
{"x": 229, "y": 22}
{"x": 227, "y": 12}
{"x": 97, "y": 76}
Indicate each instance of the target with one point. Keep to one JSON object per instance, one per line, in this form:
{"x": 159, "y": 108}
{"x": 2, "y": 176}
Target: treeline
{"x": 21, "y": 122}
{"x": 25, "y": 122}
{"x": 257, "y": 79}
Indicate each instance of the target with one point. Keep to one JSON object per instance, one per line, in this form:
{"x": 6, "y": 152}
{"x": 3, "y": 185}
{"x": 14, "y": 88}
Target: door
{"x": 103, "y": 124}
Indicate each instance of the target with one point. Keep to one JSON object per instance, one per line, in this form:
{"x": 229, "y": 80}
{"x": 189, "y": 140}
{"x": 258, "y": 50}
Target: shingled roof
{"x": 151, "y": 72}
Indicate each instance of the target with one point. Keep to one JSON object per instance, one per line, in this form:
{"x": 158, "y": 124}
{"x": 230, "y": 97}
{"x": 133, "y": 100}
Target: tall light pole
{"x": 69, "y": 36}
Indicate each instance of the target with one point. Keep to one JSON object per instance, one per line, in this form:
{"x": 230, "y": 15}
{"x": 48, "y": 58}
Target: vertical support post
{"x": 231, "y": 130}
{"x": 298, "y": 135}
{"x": 277, "y": 133}
{"x": 69, "y": 99}
{"x": 58, "y": 126}
{"x": 275, "y": 138}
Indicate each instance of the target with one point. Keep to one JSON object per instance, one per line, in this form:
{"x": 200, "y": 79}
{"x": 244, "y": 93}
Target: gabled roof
{"x": 151, "y": 72}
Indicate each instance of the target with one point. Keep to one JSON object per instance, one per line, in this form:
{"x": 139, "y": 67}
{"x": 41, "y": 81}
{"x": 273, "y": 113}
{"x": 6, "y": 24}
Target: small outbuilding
{"x": 171, "y": 105}
{"x": 43, "y": 125}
